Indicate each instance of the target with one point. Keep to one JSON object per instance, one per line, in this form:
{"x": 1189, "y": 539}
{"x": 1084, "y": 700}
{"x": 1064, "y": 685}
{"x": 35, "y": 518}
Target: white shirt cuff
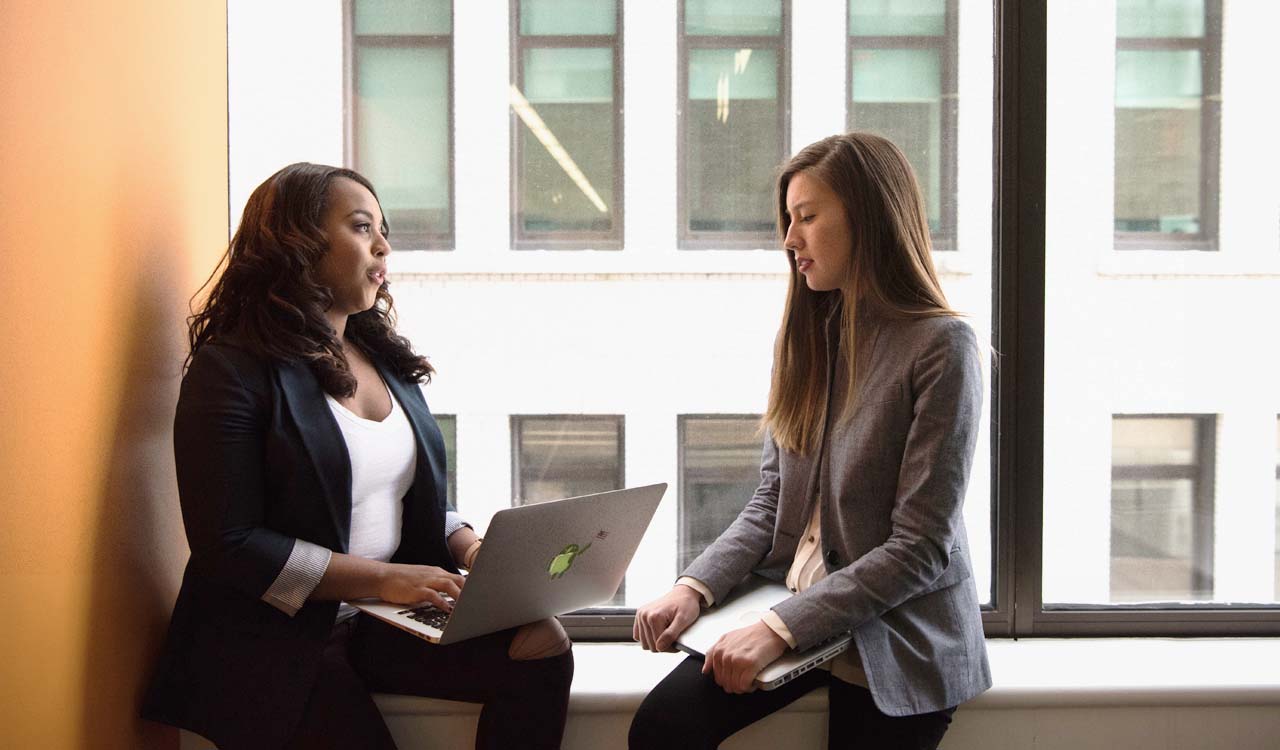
{"x": 453, "y": 522}
{"x": 301, "y": 574}
{"x": 707, "y": 597}
{"x": 776, "y": 624}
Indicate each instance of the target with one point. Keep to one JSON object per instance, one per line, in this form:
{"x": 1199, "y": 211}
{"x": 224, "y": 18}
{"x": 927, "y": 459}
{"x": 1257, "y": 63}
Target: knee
{"x": 539, "y": 640}
{"x": 663, "y": 726}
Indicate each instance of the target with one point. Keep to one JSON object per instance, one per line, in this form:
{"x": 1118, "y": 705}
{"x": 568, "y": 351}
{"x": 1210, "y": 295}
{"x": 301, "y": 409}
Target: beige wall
{"x": 112, "y": 211}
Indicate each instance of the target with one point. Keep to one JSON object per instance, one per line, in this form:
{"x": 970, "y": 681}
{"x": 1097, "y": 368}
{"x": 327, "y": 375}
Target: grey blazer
{"x": 894, "y": 543}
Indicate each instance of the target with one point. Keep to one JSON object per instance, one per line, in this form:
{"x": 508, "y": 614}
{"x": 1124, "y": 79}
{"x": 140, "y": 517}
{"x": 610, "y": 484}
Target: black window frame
{"x": 434, "y": 241}
{"x": 1210, "y": 48}
{"x": 689, "y": 239}
{"x": 948, "y": 48}
{"x": 565, "y": 239}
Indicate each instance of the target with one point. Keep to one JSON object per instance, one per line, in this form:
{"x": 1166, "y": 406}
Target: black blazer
{"x": 261, "y": 461}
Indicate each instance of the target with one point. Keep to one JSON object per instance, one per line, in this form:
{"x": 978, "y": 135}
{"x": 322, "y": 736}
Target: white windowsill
{"x": 614, "y": 678}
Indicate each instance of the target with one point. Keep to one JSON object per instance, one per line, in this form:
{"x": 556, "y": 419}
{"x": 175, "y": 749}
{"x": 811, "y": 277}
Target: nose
{"x": 381, "y": 246}
{"x": 792, "y": 241}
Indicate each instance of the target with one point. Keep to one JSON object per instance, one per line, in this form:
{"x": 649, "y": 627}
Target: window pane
{"x": 733, "y": 139}
{"x": 402, "y": 134}
{"x": 897, "y": 17}
{"x": 1161, "y": 524}
{"x": 563, "y": 457}
{"x": 719, "y": 472}
{"x": 449, "y": 428}
{"x": 898, "y": 94}
{"x": 1159, "y": 18}
{"x": 563, "y": 17}
{"x": 566, "y": 140}
{"x": 401, "y": 17}
{"x": 1158, "y": 142}
{"x": 733, "y": 17}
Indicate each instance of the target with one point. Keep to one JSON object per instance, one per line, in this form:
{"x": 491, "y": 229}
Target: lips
{"x": 803, "y": 264}
{"x": 378, "y": 275}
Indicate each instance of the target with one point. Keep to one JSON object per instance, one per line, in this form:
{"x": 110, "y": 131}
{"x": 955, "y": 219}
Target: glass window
{"x": 719, "y": 472}
{"x": 1161, "y": 509}
{"x": 733, "y": 123}
{"x": 401, "y": 113}
{"x": 1166, "y": 112}
{"x": 567, "y": 137}
{"x": 566, "y": 456}
{"x": 448, "y": 424}
{"x": 903, "y": 85}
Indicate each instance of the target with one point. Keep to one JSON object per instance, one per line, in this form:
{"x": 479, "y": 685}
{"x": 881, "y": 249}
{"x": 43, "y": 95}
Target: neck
{"x": 339, "y": 323}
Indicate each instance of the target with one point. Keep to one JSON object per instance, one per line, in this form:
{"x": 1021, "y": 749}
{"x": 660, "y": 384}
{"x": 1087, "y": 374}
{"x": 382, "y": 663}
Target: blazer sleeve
{"x": 220, "y": 434}
{"x": 926, "y": 518}
{"x": 743, "y": 545}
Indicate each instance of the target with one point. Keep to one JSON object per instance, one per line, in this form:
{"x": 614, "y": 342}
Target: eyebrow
{"x": 385, "y": 227}
{"x": 797, "y": 207}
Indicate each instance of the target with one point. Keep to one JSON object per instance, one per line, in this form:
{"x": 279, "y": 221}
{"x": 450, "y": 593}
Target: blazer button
{"x": 832, "y": 557}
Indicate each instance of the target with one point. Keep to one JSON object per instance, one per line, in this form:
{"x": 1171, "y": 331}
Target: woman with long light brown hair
{"x": 870, "y": 431}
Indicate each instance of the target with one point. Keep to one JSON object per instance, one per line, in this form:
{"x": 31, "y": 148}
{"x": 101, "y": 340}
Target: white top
{"x": 382, "y": 455}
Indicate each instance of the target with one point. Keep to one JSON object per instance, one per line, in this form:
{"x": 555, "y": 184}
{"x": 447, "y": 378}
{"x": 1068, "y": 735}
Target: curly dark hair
{"x": 268, "y": 301}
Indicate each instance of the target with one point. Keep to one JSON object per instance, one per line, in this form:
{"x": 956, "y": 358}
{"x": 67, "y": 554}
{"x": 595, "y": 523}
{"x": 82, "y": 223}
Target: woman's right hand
{"x": 414, "y": 584}
{"x": 662, "y": 620}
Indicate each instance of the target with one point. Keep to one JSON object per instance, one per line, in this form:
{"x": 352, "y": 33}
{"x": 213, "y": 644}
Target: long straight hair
{"x": 891, "y": 275}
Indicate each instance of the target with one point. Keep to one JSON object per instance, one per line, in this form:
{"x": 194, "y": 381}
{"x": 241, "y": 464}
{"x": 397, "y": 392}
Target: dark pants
{"x": 689, "y": 710}
{"x": 525, "y": 702}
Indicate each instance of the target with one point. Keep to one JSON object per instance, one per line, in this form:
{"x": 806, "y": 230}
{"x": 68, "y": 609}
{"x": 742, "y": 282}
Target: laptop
{"x": 537, "y": 561}
{"x": 746, "y": 605}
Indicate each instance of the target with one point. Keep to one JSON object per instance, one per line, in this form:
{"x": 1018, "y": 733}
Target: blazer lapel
{"x": 430, "y": 468}
{"x": 323, "y": 441}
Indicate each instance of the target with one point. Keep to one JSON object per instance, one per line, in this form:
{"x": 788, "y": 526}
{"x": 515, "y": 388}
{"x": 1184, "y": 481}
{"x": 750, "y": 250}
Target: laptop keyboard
{"x": 429, "y": 615}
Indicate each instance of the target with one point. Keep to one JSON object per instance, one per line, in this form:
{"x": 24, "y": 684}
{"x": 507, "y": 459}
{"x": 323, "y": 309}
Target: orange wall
{"x": 113, "y": 201}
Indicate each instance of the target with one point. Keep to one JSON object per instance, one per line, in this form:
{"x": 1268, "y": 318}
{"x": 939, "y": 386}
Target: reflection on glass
{"x": 898, "y": 94}
{"x": 1165, "y": 159}
{"x": 558, "y": 457}
{"x": 719, "y": 472}
{"x": 403, "y": 17}
{"x": 563, "y": 97}
{"x": 402, "y": 134}
{"x": 897, "y": 17}
{"x": 1161, "y": 512}
{"x": 733, "y": 138}
{"x": 566, "y": 170}
{"x": 449, "y": 428}
{"x": 733, "y": 17}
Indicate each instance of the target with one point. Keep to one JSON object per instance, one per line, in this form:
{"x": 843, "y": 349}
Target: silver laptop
{"x": 746, "y": 605}
{"x": 537, "y": 561}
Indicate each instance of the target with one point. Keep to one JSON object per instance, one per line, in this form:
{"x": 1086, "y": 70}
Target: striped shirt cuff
{"x": 707, "y": 597}
{"x": 779, "y": 627}
{"x": 453, "y": 522}
{"x": 301, "y": 574}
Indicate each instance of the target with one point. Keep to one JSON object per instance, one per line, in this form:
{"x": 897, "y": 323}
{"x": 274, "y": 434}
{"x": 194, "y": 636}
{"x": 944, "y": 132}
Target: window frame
{"x": 686, "y": 238}
{"x": 948, "y": 48}
{"x": 1210, "y": 48}
{"x": 568, "y": 239}
{"x": 682, "y": 486}
{"x": 433, "y": 241}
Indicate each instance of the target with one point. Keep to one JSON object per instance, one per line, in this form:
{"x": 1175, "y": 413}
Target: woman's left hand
{"x": 739, "y": 655}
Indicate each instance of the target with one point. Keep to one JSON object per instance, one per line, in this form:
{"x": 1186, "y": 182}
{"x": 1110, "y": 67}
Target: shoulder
{"x": 224, "y": 364}
{"x": 941, "y": 333}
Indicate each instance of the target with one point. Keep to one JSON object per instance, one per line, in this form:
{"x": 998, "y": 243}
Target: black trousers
{"x": 525, "y": 702}
{"x": 689, "y": 710}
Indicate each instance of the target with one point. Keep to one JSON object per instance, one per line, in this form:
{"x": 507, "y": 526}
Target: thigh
{"x": 855, "y": 722}
{"x": 340, "y": 713}
{"x": 689, "y": 710}
{"x": 393, "y": 661}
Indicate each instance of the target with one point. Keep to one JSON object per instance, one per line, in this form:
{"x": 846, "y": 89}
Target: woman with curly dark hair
{"x": 311, "y": 473}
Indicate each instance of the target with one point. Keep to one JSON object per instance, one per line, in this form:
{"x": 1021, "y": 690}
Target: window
{"x": 401, "y": 109}
{"x": 733, "y": 120}
{"x": 565, "y": 456}
{"x": 1167, "y": 105}
{"x": 567, "y": 123}
{"x": 903, "y": 85}
{"x": 448, "y": 424}
{"x": 719, "y": 472}
{"x": 1277, "y": 526}
{"x": 1162, "y": 508}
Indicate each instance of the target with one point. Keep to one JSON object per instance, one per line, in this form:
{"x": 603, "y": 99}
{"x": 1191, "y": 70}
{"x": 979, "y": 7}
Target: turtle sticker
{"x": 561, "y": 563}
